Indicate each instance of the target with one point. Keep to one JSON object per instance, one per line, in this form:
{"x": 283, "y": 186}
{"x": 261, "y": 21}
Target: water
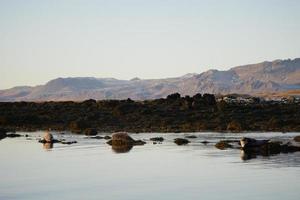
{"x": 90, "y": 169}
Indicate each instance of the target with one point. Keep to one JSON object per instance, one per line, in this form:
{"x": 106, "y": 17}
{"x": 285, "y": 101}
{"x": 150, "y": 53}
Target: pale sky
{"x": 44, "y": 39}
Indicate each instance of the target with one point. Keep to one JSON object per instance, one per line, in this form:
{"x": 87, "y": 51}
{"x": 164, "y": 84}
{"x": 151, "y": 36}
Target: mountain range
{"x": 253, "y": 79}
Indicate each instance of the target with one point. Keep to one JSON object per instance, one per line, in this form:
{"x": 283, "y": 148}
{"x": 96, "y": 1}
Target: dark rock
{"x": 297, "y": 138}
{"x": 96, "y": 137}
{"x": 157, "y": 139}
{"x": 234, "y": 126}
{"x": 181, "y": 141}
{"x": 3, "y": 133}
{"x": 191, "y": 136}
{"x": 222, "y": 145}
{"x": 205, "y": 142}
{"x": 52, "y": 141}
{"x": 123, "y": 138}
{"x": 107, "y": 137}
{"x": 250, "y": 143}
{"x": 68, "y": 142}
{"x": 13, "y": 135}
{"x": 90, "y": 131}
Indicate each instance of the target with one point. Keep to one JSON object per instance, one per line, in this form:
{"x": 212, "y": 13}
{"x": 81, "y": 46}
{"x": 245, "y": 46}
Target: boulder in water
{"x": 181, "y": 141}
{"x": 122, "y": 138}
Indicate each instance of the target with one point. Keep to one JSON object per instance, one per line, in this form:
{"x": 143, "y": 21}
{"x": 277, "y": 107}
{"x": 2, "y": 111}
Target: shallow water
{"x": 90, "y": 169}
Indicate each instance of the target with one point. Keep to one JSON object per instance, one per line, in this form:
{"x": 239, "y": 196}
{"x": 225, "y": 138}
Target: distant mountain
{"x": 265, "y": 77}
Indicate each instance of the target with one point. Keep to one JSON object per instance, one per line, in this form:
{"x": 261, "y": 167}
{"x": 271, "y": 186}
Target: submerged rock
{"x": 181, "y": 141}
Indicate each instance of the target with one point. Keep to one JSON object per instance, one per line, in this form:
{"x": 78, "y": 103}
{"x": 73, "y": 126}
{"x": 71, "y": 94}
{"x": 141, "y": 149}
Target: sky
{"x": 45, "y": 39}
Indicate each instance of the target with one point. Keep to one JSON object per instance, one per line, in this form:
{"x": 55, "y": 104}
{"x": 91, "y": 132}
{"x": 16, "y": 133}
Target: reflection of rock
{"x": 247, "y": 156}
{"x": 181, "y": 141}
{"x": 48, "y": 145}
{"x": 269, "y": 148}
{"x": 122, "y": 138}
{"x": 121, "y": 148}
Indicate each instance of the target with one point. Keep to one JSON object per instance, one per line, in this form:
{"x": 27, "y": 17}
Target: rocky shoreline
{"x": 199, "y": 113}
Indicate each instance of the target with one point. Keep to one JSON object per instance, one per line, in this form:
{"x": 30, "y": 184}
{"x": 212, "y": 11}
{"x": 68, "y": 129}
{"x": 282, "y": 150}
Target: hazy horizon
{"x": 42, "y": 40}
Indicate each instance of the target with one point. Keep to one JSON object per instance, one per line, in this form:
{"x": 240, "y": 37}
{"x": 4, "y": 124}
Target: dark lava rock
{"x": 181, "y": 141}
{"x": 90, "y": 131}
{"x": 157, "y": 139}
{"x": 222, "y": 145}
{"x": 191, "y": 136}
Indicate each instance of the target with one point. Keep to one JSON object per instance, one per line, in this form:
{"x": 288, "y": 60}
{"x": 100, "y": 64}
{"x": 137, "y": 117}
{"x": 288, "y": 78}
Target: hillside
{"x": 255, "y": 79}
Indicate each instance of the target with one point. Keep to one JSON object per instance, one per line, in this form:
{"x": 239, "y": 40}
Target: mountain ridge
{"x": 267, "y": 76}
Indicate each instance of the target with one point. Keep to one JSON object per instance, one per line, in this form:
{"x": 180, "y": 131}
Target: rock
{"x": 222, "y": 145}
{"x": 123, "y": 138}
{"x": 48, "y": 137}
{"x": 96, "y": 137}
{"x": 68, "y": 142}
{"x": 157, "y": 139}
{"x": 191, "y": 136}
{"x": 181, "y": 141}
{"x": 205, "y": 142}
{"x": 234, "y": 126}
{"x": 297, "y": 138}
{"x": 12, "y": 135}
{"x": 107, "y": 137}
{"x": 90, "y": 131}
{"x": 250, "y": 142}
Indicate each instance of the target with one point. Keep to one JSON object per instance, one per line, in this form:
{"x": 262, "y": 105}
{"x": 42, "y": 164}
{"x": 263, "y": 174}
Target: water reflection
{"x": 47, "y": 146}
{"x": 121, "y": 148}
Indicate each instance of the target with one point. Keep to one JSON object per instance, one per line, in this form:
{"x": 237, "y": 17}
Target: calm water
{"x": 90, "y": 169}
